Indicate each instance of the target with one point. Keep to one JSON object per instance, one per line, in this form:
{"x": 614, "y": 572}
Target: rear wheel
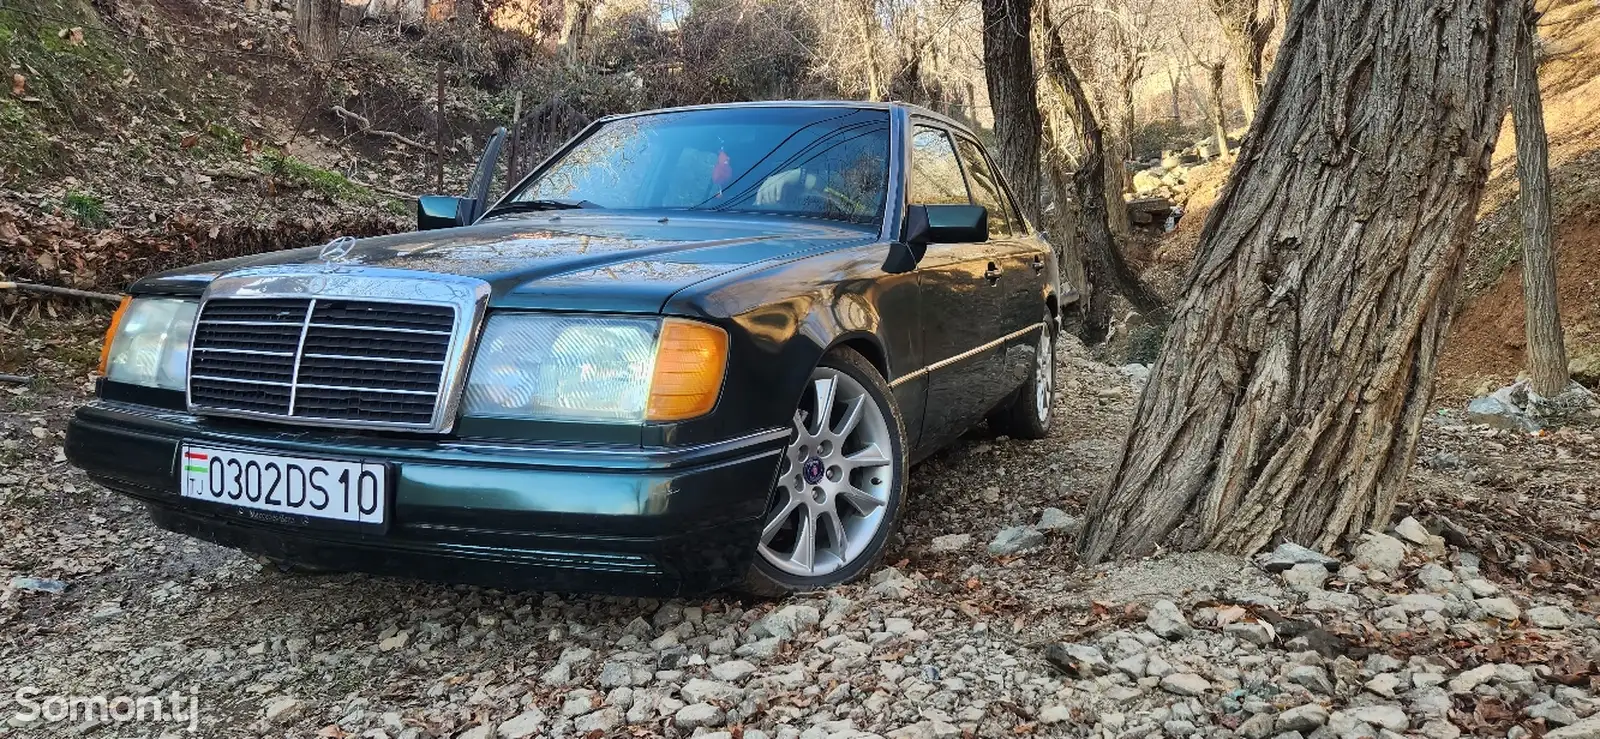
{"x": 1027, "y": 416}
{"x": 838, "y": 496}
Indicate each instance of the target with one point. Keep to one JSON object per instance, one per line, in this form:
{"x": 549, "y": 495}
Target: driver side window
{"x": 935, "y": 177}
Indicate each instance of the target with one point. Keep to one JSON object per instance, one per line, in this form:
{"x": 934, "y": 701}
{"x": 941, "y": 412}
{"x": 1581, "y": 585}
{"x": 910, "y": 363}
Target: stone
{"x": 1185, "y": 683}
{"x": 481, "y": 731}
{"x": 1482, "y": 588}
{"x": 787, "y": 621}
{"x": 696, "y": 715}
{"x": 1553, "y": 713}
{"x": 1167, "y": 622}
{"x": 732, "y": 671}
{"x": 1078, "y": 660}
{"x": 1306, "y": 577}
{"x": 1304, "y": 718}
{"x": 1588, "y": 728}
{"x": 1412, "y": 530}
{"x": 701, "y": 691}
{"x": 1054, "y": 714}
{"x": 1384, "y": 685}
{"x": 1390, "y": 717}
{"x": 1015, "y": 540}
{"x": 1055, "y": 519}
{"x": 1132, "y": 665}
{"x": 1440, "y": 729}
{"x": 525, "y": 724}
{"x": 1435, "y": 578}
{"x": 398, "y": 641}
{"x": 1254, "y": 632}
{"x": 1380, "y": 553}
{"x": 1548, "y": 617}
{"x": 1289, "y": 554}
{"x": 1258, "y": 726}
{"x": 1504, "y": 609}
{"x": 1422, "y": 602}
{"x": 603, "y": 720}
{"x": 950, "y": 543}
{"x": 1312, "y": 678}
{"x": 283, "y": 710}
{"x": 1466, "y": 681}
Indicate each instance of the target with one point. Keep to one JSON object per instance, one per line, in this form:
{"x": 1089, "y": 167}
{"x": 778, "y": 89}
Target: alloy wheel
{"x": 833, "y": 492}
{"x": 1044, "y": 380}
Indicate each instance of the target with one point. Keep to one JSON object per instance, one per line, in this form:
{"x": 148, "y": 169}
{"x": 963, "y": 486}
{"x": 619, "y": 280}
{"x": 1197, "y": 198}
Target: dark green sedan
{"x": 696, "y": 348}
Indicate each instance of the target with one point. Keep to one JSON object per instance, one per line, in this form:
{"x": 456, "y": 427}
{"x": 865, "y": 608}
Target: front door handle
{"x": 1038, "y": 263}
{"x": 992, "y": 274}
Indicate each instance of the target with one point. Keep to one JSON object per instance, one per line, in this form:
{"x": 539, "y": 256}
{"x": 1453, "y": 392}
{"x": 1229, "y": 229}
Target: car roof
{"x": 858, "y": 104}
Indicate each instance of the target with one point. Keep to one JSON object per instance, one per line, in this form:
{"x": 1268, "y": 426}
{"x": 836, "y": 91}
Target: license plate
{"x": 319, "y": 488}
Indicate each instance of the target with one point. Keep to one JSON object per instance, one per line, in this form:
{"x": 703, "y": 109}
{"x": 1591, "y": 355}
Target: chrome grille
{"x": 325, "y": 360}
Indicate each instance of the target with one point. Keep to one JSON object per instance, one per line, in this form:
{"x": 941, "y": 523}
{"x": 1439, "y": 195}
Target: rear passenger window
{"x": 935, "y": 173}
{"x": 986, "y": 191}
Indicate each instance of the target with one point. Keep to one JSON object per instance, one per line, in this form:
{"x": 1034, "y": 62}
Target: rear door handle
{"x": 992, "y": 274}
{"x": 1038, "y": 263}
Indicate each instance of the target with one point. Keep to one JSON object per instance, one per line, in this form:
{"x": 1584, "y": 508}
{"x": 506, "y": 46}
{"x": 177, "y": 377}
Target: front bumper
{"x": 585, "y": 518}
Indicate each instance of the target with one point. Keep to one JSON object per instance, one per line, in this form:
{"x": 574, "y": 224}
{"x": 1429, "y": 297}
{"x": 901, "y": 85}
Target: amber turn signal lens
{"x": 691, "y": 359}
{"x": 111, "y": 333}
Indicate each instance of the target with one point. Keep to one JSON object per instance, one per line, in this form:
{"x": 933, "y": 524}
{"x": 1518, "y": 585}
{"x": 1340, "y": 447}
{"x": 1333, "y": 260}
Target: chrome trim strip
{"x": 248, "y": 352}
{"x": 386, "y": 360}
{"x": 725, "y": 445}
{"x": 345, "y": 327}
{"x": 968, "y": 354}
{"x": 299, "y": 354}
{"x": 469, "y": 297}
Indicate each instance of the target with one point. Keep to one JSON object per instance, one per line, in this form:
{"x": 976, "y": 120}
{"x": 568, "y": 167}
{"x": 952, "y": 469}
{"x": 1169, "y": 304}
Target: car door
{"x": 1021, "y": 263}
{"x": 960, "y": 303}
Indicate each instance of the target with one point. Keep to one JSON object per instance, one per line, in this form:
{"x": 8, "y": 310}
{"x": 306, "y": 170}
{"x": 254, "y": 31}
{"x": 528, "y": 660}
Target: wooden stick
{"x": 366, "y": 127}
{"x": 30, "y": 287}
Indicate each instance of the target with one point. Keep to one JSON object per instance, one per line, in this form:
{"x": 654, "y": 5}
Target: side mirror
{"x": 946, "y": 224}
{"x": 438, "y": 211}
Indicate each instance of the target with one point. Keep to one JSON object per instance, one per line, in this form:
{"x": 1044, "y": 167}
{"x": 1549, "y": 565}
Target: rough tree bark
{"x": 1008, "y": 71}
{"x": 1247, "y": 26}
{"x": 1219, "y": 111}
{"x": 1296, "y": 375}
{"x": 1547, "y": 352}
{"x": 1105, "y": 269}
{"x": 316, "y": 25}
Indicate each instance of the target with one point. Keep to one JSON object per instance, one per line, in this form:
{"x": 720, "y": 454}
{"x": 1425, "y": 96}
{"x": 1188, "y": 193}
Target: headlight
{"x": 579, "y": 368}
{"x": 148, "y": 343}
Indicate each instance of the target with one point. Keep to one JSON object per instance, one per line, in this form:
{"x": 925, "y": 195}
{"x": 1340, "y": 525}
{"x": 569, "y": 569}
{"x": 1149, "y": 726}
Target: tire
{"x": 838, "y": 470}
{"x": 1028, "y": 414}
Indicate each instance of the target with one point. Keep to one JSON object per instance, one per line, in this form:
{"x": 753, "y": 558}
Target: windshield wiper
{"x": 527, "y": 206}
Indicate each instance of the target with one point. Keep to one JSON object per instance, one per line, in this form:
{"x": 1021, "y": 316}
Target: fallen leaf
{"x": 1229, "y": 615}
{"x": 19, "y": 84}
{"x": 189, "y": 141}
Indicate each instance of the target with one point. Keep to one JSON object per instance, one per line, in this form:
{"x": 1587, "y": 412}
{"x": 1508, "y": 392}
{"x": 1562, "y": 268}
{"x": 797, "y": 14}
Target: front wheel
{"x": 838, "y": 495}
{"x": 1027, "y": 416}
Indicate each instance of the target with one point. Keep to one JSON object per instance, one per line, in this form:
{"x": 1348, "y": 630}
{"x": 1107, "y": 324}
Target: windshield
{"x": 819, "y": 162}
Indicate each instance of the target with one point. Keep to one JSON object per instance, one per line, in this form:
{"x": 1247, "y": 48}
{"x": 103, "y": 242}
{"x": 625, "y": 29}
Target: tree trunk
{"x": 1177, "y": 104}
{"x": 316, "y": 25}
{"x": 1105, "y": 269}
{"x": 1296, "y": 375}
{"x": 1547, "y": 352}
{"x": 1008, "y": 70}
{"x": 1219, "y": 112}
{"x": 1247, "y": 30}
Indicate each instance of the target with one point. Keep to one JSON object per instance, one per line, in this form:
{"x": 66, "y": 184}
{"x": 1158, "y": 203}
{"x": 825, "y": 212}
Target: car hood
{"x": 564, "y": 260}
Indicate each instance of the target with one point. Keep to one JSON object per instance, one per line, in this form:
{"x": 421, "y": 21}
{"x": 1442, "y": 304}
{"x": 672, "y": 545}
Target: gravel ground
{"x": 1483, "y": 630}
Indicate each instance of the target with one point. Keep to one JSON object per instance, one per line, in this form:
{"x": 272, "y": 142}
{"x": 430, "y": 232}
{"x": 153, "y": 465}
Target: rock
{"x": 761, "y": 648}
{"x": 1588, "y": 728}
{"x": 950, "y": 543}
{"x": 1380, "y": 553}
{"x": 1384, "y": 685}
{"x": 1435, "y": 578}
{"x": 1308, "y": 717}
{"x": 1254, "y": 632}
{"x": 702, "y": 691}
{"x": 1306, "y": 577}
{"x": 1390, "y": 717}
{"x": 1055, "y": 519}
{"x": 1482, "y": 588}
{"x": 1289, "y": 554}
{"x": 1312, "y": 678}
{"x": 524, "y": 725}
{"x": 1138, "y": 374}
{"x": 1504, "y": 609}
{"x": 579, "y": 702}
{"x": 481, "y": 731}
{"x": 1421, "y": 602}
{"x": 283, "y": 710}
{"x": 1553, "y": 713}
{"x": 1548, "y": 617}
{"x": 1585, "y": 368}
{"x": 787, "y": 621}
{"x": 933, "y": 729}
{"x": 696, "y": 715}
{"x": 1185, "y": 683}
{"x": 1466, "y": 681}
{"x": 603, "y": 720}
{"x": 1133, "y": 665}
{"x": 39, "y": 585}
{"x": 1167, "y": 622}
{"x": 1015, "y": 540}
{"x": 1412, "y": 530}
{"x": 398, "y": 641}
{"x": 1258, "y": 726}
{"x": 732, "y": 671}
{"x": 1078, "y": 660}
{"x": 1054, "y": 714}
